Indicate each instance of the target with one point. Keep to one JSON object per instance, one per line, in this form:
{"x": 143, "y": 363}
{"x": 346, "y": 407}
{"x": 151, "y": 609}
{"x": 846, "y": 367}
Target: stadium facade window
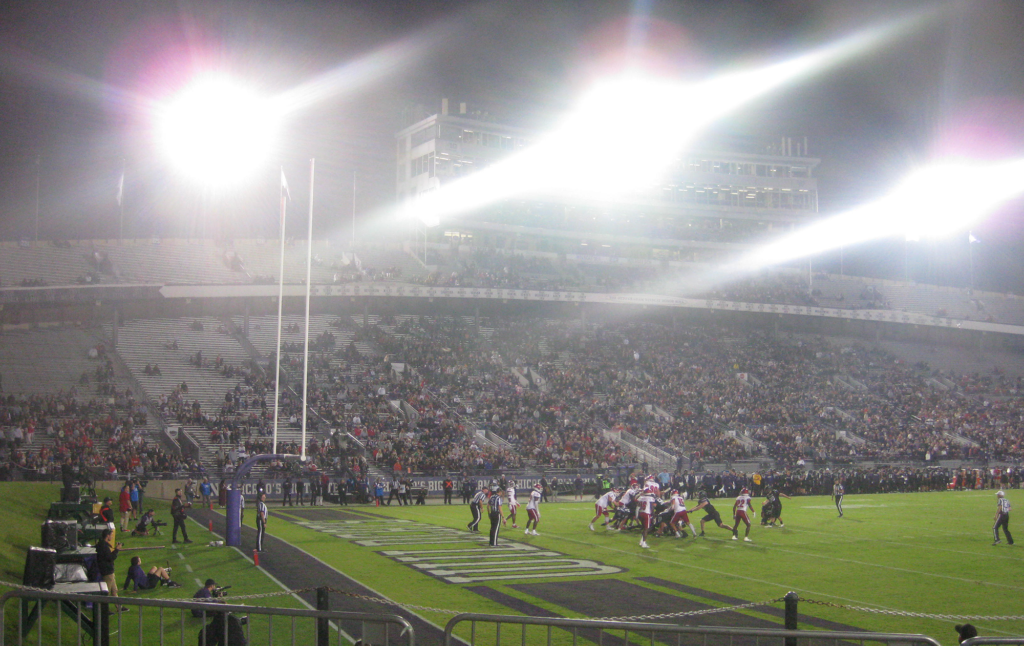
{"x": 422, "y": 164}
{"x": 449, "y": 132}
{"x": 422, "y": 136}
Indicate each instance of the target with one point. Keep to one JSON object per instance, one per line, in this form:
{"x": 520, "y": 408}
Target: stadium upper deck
{"x": 27, "y": 267}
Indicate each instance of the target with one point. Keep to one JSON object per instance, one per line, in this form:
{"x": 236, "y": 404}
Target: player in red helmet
{"x": 645, "y": 513}
{"x": 680, "y": 515}
{"x": 740, "y": 510}
{"x": 601, "y": 507}
{"x": 533, "y": 510}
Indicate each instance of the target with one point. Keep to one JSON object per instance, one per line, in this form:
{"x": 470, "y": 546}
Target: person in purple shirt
{"x": 143, "y": 580}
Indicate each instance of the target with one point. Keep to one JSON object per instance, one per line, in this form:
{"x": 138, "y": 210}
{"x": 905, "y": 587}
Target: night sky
{"x": 76, "y": 79}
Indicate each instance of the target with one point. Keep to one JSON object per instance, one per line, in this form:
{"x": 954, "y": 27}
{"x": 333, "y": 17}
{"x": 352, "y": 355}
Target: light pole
{"x": 36, "y": 219}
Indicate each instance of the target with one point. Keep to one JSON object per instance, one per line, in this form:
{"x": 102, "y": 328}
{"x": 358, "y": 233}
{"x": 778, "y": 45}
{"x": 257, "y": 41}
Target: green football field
{"x": 20, "y": 520}
{"x": 925, "y": 553}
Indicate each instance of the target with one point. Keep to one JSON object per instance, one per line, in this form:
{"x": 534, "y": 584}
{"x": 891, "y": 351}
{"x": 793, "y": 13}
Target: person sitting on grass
{"x": 151, "y": 580}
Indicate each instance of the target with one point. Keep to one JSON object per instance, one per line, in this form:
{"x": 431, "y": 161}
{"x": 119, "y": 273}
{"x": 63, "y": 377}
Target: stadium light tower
{"x": 217, "y": 131}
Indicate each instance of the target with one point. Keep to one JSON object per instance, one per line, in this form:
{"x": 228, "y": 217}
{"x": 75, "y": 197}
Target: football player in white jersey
{"x": 533, "y": 510}
{"x": 740, "y": 510}
{"x": 677, "y": 505}
{"x": 625, "y": 503}
{"x": 645, "y": 513}
{"x": 652, "y": 484}
{"x": 602, "y": 505}
{"x": 513, "y": 504}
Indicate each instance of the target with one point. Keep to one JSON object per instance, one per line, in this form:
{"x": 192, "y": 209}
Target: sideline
{"x": 275, "y": 580}
{"x": 356, "y": 582}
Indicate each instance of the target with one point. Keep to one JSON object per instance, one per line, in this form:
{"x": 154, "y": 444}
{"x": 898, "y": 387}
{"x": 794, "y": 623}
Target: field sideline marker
{"x": 360, "y": 583}
{"x": 283, "y": 586}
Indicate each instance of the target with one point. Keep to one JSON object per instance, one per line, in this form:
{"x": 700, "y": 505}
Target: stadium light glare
{"x": 217, "y": 131}
{"x": 934, "y": 201}
{"x": 628, "y": 130}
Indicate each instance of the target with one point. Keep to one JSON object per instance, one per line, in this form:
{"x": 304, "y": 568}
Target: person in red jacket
{"x": 125, "y": 501}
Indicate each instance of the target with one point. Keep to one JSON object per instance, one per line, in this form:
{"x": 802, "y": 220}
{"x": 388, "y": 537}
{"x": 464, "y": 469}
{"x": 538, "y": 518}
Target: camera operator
{"x": 213, "y": 633}
{"x": 147, "y": 520}
{"x": 209, "y": 593}
{"x": 178, "y": 514}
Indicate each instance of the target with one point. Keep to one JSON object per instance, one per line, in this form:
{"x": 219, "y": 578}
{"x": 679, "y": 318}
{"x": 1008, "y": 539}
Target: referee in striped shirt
{"x": 261, "y": 521}
{"x": 494, "y": 511}
{"x": 476, "y": 505}
{"x": 1002, "y": 518}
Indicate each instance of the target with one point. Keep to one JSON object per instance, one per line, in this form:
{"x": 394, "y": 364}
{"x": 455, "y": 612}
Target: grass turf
{"x": 26, "y": 509}
{"x": 923, "y": 552}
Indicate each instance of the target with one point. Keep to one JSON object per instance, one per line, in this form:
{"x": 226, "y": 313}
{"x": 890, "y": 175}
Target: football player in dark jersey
{"x": 710, "y": 513}
{"x": 771, "y": 510}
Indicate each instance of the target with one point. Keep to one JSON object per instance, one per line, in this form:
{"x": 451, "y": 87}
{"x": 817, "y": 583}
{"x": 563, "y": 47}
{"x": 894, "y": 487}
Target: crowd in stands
{"x": 44, "y": 432}
{"x": 711, "y": 394}
{"x": 437, "y": 396}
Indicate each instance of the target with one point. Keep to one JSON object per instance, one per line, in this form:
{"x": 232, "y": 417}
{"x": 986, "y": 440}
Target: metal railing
{"x": 96, "y": 619}
{"x": 993, "y": 641}
{"x": 595, "y": 630}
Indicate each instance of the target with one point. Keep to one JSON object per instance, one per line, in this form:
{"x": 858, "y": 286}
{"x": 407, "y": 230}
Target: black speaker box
{"x": 39, "y": 564}
{"x": 70, "y": 494}
{"x": 60, "y": 535}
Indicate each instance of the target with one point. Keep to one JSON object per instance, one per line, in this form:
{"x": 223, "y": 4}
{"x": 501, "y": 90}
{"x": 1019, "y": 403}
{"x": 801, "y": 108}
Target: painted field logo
{"x": 428, "y": 548}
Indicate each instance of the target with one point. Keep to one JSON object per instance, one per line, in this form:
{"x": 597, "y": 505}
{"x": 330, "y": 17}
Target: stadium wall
{"x": 95, "y": 305}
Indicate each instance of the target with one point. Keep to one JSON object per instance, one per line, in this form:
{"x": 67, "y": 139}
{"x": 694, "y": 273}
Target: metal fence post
{"x": 101, "y": 626}
{"x": 323, "y": 602}
{"x": 791, "y": 622}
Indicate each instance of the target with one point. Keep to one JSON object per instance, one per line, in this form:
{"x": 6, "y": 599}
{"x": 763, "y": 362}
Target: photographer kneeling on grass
{"x": 147, "y": 521}
{"x": 151, "y": 580}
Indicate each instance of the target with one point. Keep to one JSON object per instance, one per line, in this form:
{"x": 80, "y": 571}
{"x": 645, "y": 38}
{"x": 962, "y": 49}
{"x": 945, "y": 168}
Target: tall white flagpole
{"x": 120, "y": 206}
{"x": 280, "y": 302}
{"x": 305, "y": 346}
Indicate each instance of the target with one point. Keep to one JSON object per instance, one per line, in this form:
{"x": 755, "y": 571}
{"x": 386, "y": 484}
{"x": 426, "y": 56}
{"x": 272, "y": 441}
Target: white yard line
{"x": 915, "y": 545}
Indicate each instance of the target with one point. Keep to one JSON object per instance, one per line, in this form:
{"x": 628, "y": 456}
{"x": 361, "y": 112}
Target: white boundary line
{"x": 849, "y": 539}
{"x": 275, "y": 580}
{"x": 355, "y": 581}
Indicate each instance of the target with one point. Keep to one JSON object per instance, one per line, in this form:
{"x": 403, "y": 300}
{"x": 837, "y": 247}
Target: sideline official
{"x": 494, "y": 512}
{"x": 1002, "y": 518}
{"x": 476, "y": 506}
{"x": 261, "y": 521}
